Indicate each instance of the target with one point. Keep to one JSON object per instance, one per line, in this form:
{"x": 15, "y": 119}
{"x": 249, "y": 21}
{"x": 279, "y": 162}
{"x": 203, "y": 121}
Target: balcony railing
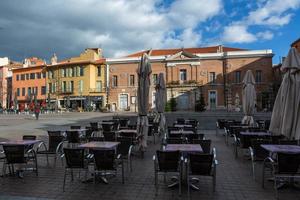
{"x": 66, "y": 91}
{"x": 96, "y": 90}
{"x": 185, "y": 83}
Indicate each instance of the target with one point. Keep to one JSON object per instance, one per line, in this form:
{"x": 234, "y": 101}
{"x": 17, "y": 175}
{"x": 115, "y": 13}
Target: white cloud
{"x": 237, "y": 34}
{"x": 266, "y": 35}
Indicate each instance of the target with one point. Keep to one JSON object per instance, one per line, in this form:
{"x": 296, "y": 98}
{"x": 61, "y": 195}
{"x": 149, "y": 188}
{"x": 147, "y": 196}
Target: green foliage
{"x": 200, "y": 104}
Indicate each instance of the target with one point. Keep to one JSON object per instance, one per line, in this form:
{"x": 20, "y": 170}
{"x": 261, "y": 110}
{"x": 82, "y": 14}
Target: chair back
{"x": 75, "y": 127}
{"x": 104, "y": 159}
{"x": 124, "y": 122}
{"x": 29, "y": 137}
{"x": 131, "y": 135}
{"x": 200, "y": 164}
{"x": 54, "y": 133}
{"x": 96, "y": 139}
{"x": 205, "y": 145}
{"x": 259, "y": 152}
{"x": 94, "y": 125}
{"x": 168, "y": 161}
{"x": 194, "y": 136}
{"x": 107, "y": 127}
{"x": 54, "y": 141}
{"x": 109, "y": 136}
{"x": 175, "y": 141}
{"x": 288, "y": 163}
{"x": 289, "y": 142}
{"x": 14, "y": 154}
{"x": 180, "y": 121}
{"x": 123, "y": 147}
{"x": 74, "y": 158}
{"x": 72, "y": 136}
{"x": 221, "y": 123}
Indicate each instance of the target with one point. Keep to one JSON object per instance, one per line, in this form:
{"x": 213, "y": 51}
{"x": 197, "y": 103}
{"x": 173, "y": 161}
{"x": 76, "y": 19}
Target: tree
{"x": 173, "y": 104}
{"x": 200, "y": 104}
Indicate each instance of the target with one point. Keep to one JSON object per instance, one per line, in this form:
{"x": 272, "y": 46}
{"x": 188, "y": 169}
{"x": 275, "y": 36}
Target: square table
{"x": 184, "y": 148}
{"x": 127, "y": 131}
{"x": 280, "y": 148}
{"x": 184, "y": 132}
{"x": 20, "y": 142}
{"x": 107, "y": 122}
{"x": 99, "y": 145}
{"x": 261, "y": 133}
{"x": 183, "y": 125}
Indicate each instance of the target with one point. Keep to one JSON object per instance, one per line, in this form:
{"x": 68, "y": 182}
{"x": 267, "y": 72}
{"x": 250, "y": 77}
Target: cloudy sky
{"x": 66, "y": 27}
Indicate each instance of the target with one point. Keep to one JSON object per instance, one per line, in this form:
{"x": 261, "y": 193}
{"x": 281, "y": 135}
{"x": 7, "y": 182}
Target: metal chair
{"x": 258, "y": 153}
{"x": 72, "y": 137}
{"x": 167, "y": 162}
{"x": 205, "y": 145}
{"x": 109, "y": 136}
{"x": 201, "y": 165}
{"x": 106, "y": 161}
{"x": 55, "y": 145}
{"x": 74, "y": 160}
{"x": 125, "y": 150}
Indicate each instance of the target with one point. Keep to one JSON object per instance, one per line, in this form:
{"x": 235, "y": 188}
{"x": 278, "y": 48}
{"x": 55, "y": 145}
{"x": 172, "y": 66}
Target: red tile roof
{"x": 162, "y": 52}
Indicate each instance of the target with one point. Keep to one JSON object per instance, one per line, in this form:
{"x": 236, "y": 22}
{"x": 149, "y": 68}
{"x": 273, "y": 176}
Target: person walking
{"x": 37, "y": 112}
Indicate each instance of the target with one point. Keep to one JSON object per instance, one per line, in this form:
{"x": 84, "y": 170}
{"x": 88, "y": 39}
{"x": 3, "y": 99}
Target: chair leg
{"x": 188, "y": 186}
{"x": 36, "y": 166}
{"x": 55, "y": 157}
{"x": 263, "y": 176}
{"x": 47, "y": 159}
{"x": 275, "y": 187}
{"x": 180, "y": 176}
{"x": 253, "y": 170}
{"x": 72, "y": 175}
{"x": 123, "y": 178}
{"x": 130, "y": 163}
{"x": 65, "y": 175}
{"x": 155, "y": 183}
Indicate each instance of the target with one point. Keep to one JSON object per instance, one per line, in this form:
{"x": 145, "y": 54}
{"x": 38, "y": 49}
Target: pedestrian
{"x": 37, "y": 112}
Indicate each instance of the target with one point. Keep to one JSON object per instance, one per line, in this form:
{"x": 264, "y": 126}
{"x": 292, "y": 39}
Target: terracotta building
{"x": 296, "y": 44}
{"x": 78, "y": 82}
{"x": 29, "y": 81}
{"x": 215, "y": 72}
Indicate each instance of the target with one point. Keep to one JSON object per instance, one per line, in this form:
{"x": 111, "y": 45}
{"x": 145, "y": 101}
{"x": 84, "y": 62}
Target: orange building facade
{"x": 29, "y": 83}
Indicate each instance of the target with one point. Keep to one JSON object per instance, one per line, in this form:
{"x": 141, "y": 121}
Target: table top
{"x": 127, "y": 131}
{"x": 182, "y": 132}
{"x": 276, "y": 148}
{"x": 184, "y": 147}
{"x": 239, "y": 126}
{"x": 108, "y": 122}
{"x": 78, "y": 130}
{"x": 183, "y": 125}
{"x": 20, "y": 142}
{"x": 255, "y": 133}
{"x": 99, "y": 145}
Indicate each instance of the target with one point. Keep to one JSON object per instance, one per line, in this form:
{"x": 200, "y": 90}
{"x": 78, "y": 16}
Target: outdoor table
{"x": 183, "y": 125}
{"x": 280, "y": 148}
{"x": 184, "y": 148}
{"x": 127, "y": 131}
{"x": 99, "y": 145}
{"x": 20, "y": 142}
{"x": 261, "y": 133}
{"x": 107, "y": 122}
{"x": 182, "y": 132}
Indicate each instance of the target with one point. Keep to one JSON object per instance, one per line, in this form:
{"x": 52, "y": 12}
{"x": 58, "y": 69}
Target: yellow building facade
{"x": 79, "y": 82}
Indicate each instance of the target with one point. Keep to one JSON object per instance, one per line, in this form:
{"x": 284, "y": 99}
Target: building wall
{"x": 296, "y": 44}
{"x": 3, "y": 81}
{"x": 28, "y": 83}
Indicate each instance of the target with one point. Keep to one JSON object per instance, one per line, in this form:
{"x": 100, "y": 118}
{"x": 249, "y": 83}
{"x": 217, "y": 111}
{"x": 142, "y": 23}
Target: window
{"x": 99, "y": 71}
{"x": 98, "y": 86}
{"x": 38, "y": 75}
{"x": 72, "y": 72}
{"x": 115, "y": 81}
{"x": 81, "y": 71}
{"x": 154, "y": 79}
{"x": 212, "y": 77}
{"x": 22, "y": 77}
{"x": 131, "y": 80}
{"x": 50, "y": 88}
{"x": 50, "y": 74}
{"x": 43, "y": 90}
{"x": 237, "y": 76}
{"x": 27, "y": 76}
{"x": 44, "y": 74}
{"x": 258, "y": 76}
{"x": 18, "y": 92}
{"x": 182, "y": 74}
{"x": 64, "y": 86}
{"x": 71, "y": 86}
{"x": 18, "y": 77}
{"x": 63, "y": 72}
{"x": 36, "y": 92}
{"x": 32, "y": 76}
{"x": 29, "y": 91}
{"x": 80, "y": 85}
{"x": 23, "y": 92}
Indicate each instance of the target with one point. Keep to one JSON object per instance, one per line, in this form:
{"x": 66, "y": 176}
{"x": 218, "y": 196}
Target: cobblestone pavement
{"x": 234, "y": 179}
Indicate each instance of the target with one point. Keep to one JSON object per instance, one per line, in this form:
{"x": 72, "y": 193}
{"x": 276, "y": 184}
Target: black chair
{"x": 258, "y": 153}
{"x": 16, "y": 154}
{"x": 88, "y": 133}
{"x": 287, "y": 166}
{"x": 94, "y": 126}
{"x": 201, "y": 165}
{"x": 205, "y": 145}
{"x": 125, "y": 149}
{"x": 29, "y": 148}
{"x": 75, "y": 127}
{"x": 124, "y": 122}
{"x": 72, "y": 137}
{"x": 175, "y": 141}
{"x": 54, "y": 133}
{"x": 109, "y": 136}
{"x": 166, "y": 162}
{"x": 106, "y": 161}
{"x": 55, "y": 145}
{"x": 107, "y": 127}
{"x": 74, "y": 160}
{"x": 180, "y": 121}
{"x": 289, "y": 142}
{"x": 275, "y": 138}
